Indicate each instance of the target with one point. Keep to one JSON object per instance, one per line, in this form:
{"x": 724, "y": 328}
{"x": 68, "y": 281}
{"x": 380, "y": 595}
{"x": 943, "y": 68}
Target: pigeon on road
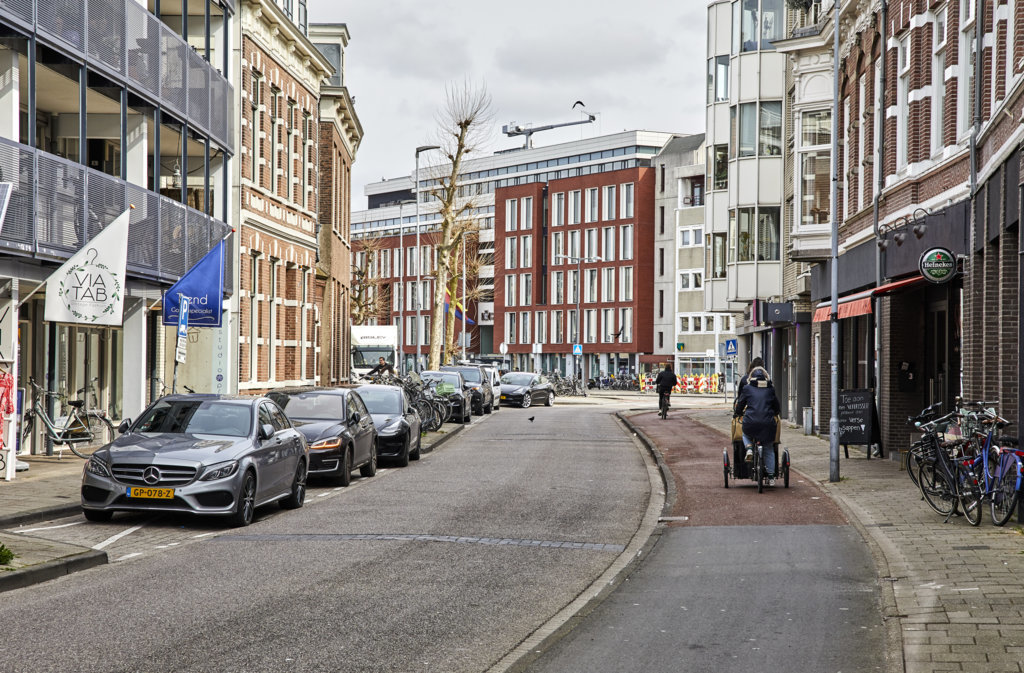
{"x": 531, "y": 418}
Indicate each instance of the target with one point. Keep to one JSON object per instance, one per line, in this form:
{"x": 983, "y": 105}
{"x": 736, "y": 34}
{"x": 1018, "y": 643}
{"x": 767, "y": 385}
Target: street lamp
{"x": 579, "y": 293}
{"x": 419, "y": 290}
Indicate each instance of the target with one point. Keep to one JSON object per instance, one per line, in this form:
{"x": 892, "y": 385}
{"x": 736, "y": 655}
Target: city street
{"x": 446, "y": 565}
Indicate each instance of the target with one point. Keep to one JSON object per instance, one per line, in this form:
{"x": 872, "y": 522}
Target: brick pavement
{"x": 957, "y": 592}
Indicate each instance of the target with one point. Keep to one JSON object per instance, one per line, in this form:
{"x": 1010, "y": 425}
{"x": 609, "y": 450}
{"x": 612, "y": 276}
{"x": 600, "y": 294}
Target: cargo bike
{"x": 738, "y": 468}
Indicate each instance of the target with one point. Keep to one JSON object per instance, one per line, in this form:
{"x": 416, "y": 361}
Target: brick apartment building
{"x": 927, "y": 177}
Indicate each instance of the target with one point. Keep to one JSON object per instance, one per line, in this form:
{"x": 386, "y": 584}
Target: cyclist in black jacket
{"x": 758, "y": 406}
{"x": 664, "y": 384}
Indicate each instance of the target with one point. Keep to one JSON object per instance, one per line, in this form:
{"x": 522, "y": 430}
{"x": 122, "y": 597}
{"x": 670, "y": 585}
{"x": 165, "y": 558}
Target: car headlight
{"x": 98, "y": 467}
{"x": 392, "y": 427}
{"x": 330, "y": 443}
{"x": 219, "y": 471}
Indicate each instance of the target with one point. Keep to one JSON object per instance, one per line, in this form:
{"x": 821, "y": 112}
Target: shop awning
{"x": 859, "y": 303}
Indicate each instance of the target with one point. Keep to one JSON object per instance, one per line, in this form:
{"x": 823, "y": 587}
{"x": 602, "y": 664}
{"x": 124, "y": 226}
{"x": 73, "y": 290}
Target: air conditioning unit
{"x": 803, "y": 285}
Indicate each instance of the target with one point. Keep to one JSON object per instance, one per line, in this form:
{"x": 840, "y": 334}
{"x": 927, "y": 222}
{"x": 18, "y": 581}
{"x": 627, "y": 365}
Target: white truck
{"x": 369, "y": 344}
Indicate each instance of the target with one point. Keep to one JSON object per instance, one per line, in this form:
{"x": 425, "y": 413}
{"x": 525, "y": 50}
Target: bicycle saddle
{"x": 77, "y": 404}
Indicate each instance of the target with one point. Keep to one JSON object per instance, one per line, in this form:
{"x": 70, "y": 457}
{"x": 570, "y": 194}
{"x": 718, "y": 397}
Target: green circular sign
{"x": 937, "y": 265}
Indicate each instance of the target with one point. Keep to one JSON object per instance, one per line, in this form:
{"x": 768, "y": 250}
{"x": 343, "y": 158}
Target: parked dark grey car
{"x": 451, "y": 386}
{"x": 398, "y": 424}
{"x": 477, "y": 385}
{"x": 525, "y": 389}
{"x": 203, "y": 454}
{"x": 338, "y": 427}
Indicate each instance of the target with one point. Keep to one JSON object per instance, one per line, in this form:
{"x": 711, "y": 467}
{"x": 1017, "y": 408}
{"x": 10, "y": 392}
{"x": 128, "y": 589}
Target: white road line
{"x": 205, "y": 534}
{"x": 114, "y": 538}
{"x": 63, "y": 525}
{"x": 128, "y": 556}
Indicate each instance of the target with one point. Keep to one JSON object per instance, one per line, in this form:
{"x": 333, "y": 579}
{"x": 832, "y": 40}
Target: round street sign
{"x": 937, "y": 265}
{"x": 503, "y": 348}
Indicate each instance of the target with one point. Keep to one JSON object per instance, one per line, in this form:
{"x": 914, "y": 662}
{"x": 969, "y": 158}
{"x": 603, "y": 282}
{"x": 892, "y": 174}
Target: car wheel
{"x": 489, "y": 408}
{"x": 403, "y": 458}
{"x": 297, "y": 497}
{"x": 245, "y": 510}
{"x": 415, "y": 455}
{"x": 370, "y": 468}
{"x": 527, "y": 399}
{"x": 551, "y": 399}
{"x": 344, "y": 476}
{"x": 97, "y": 515}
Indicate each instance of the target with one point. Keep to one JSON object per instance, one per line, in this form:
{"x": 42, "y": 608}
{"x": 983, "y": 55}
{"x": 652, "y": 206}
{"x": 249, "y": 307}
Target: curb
{"x": 41, "y": 514}
{"x": 44, "y": 572}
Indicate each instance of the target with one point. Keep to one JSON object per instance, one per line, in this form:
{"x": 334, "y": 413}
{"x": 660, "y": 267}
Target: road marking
{"x": 63, "y": 525}
{"x": 128, "y": 556}
{"x": 114, "y": 538}
{"x": 205, "y": 534}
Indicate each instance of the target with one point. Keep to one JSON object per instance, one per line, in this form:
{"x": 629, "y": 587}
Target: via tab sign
{"x": 183, "y": 317}
{"x": 577, "y": 349}
{"x": 730, "y": 347}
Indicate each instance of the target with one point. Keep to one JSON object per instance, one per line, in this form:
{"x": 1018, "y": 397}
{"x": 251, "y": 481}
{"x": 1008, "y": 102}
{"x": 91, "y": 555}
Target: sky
{"x": 637, "y": 65}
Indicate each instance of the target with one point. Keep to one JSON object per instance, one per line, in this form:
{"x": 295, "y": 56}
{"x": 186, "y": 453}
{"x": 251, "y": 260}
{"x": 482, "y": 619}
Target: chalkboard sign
{"x": 857, "y": 416}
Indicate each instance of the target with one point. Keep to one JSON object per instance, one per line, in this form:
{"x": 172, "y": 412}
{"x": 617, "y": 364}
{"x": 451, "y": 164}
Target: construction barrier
{"x": 709, "y": 384}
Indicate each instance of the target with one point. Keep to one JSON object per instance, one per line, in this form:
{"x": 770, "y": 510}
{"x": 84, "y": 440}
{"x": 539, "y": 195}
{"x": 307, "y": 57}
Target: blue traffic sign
{"x": 730, "y": 347}
{"x": 183, "y": 317}
{"x": 577, "y": 349}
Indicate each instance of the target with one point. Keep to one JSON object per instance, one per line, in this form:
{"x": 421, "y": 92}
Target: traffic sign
{"x": 503, "y": 348}
{"x": 730, "y": 347}
{"x": 577, "y": 349}
{"x": 183, "y": 317}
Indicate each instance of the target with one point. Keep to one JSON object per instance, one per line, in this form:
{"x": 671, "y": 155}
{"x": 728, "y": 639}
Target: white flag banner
{"x": 89, "y": 287}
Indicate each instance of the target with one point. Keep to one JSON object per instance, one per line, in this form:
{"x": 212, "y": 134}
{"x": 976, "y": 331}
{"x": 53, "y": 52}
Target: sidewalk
{"x": 957, "y": 592}
{"x": 50, "y": 490}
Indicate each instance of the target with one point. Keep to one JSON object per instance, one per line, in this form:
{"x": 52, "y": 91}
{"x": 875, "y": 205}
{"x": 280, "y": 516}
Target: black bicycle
{"x": 663, "y": 404}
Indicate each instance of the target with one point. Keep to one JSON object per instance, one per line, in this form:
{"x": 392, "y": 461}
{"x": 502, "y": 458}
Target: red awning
{"x": 859, "y": 303}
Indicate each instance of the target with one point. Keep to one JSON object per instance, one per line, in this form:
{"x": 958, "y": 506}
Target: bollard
{"x": 808, "y": 420}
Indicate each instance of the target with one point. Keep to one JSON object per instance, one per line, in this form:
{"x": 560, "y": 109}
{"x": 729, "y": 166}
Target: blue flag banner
{"x": 203, "y": 284}
{"x": 458, "y": 310}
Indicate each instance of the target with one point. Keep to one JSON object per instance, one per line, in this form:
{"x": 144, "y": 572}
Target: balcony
{"x": 59, "y": 205}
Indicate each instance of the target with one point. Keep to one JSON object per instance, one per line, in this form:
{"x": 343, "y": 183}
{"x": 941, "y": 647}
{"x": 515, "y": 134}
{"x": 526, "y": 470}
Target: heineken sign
{"x": 937, "y": 265}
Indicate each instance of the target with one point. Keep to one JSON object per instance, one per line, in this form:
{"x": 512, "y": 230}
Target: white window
{"x": 557, "y": 249}
{"x": 410, "y": 296}
{"x": 939, "y": 79}
{"x": 814, "y": 183}
{"x": 511, "y": 215}
{"x": 572, "y": 288}
{"x": 574, "y": 243}
{"x": 876, "y": 168}
{"x": 540, "y": 328}
{"x": 525, "y": 289}
{"x": 607, "y": 325}
{"x": 558, "y": 287}
{"x": 902, "y": 99}
{"x": 684, "y": 323}
{"x": 862, "y": 105}
{"x": 965, "y": 87}
{"x": 510, "y": 290}
{"x": 574, "y": 334}
{"x": 426, "y": 258}
{"x": 608, "y": 207}
{"x": 626, "y": 325}
{"x": 410, "y": 260}
{"x": 626, "y": 283}
{"x": 526, "y": 252}
{"x": 557, "y": 327}
{"x": 574, "y": 207}
{"x": 558, "y": 209}
{"x": 627, "y": 241}
{"x": 526, "y": 216}
{"x": 510, "y": 327}
{"x": 592, "y": 204}
{"x": 425, "y": 334}
{"x": 691, "y": 279}
{"x": 511, "y": 252}
{"x": 385, "y": 262}
{"x": 608, "y": 244}
{"x": 590, "y": 326}
{"x": 626, "y": 206}
{"x": 590, "y": 247}
{"x": 844, "y": 196}
{"x": 524, "y": 327}
{"x": 410, "y": 331}
{"x": 591, "y": 293}
{"x": 608, "y": 285}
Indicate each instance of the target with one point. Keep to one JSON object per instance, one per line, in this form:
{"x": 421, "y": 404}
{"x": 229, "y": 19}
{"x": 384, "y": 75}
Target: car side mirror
{"x": 354, "y": 418}
{"x": 125, "y": 425}
{"x": 266, "y": 431}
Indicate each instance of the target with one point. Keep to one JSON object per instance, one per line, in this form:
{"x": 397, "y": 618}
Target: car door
{"x": 267, "y": 454}
{"x": 292, "y": 440}
{"x": 412, "y": 418}
{"x": 535, "y": 389}
{"x": 362, "y": 429}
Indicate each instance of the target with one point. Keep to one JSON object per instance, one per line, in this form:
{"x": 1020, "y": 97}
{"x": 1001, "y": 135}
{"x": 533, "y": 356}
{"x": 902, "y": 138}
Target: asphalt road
{"x": 737, "y": 582}
{"x": 446, "y": 565}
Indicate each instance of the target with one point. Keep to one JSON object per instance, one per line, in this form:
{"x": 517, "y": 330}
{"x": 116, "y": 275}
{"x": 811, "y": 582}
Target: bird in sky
{"x": 580, "y": 103}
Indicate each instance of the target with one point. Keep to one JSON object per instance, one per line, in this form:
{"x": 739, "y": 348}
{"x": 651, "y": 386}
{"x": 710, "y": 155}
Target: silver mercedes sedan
{"x": 201, "y": 454}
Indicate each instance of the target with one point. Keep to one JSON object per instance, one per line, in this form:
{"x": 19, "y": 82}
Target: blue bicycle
{"x": 994, "y": 474}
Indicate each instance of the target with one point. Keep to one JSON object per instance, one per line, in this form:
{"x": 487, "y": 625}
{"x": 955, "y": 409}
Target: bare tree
{"x": 463, "y": 124}
{"x": 369, "y": 295}
{"x": 464, "y": 262}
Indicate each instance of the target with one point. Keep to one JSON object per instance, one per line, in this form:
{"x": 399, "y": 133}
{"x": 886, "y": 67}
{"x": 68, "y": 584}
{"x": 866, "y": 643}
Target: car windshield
{"x": 471, "y": 374}
{"x": 438, "y": 377}
{"x": 198, "y": 417}
{"x": 315, "y": 405}
{"x": 382, "y": 400}
{"x": 517, "y": 379}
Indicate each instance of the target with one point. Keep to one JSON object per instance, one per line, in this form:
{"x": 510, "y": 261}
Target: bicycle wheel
{"x": 759, "y": 466}
{"x": 936, "y": 488}
{"x": 969, "y": 494}
{"x": 102, "y": 429}
{"x": 1005, "y": 494}
{"x": 914, "y": 459}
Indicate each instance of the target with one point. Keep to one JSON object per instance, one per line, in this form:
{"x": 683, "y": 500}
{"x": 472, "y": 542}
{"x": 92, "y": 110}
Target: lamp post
{"x": 579, "y": 293}
{"x": 419, "y": 290}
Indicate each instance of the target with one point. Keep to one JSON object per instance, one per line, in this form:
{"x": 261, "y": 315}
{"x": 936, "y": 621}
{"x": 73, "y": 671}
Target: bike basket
{"x": 444, "y": 388}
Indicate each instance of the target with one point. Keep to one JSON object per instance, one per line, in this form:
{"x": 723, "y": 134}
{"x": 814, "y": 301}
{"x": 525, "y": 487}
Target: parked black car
{"x": 201, "y": 454}
{"x": 398, "y": 424}
{"x": 452, "y": 386}
{"x": 524, "y": 388}
{"x": 338, "y": 427}
{"x": 477, "y": 385}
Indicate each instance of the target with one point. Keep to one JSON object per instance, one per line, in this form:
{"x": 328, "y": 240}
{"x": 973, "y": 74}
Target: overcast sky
{"x": 636, "y": 64}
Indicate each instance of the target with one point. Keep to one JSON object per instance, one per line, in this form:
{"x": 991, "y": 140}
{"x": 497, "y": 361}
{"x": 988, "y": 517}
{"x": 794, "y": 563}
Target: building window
{"x": 661, "y": 261}
{"x": 557, "y": 327}
{"x": 748, "y": 25}
{"x": 608, "y": 206}
{"x": 768, "y": 233}
{"x": 590, "y": 325}
{"x": 627, "y": 201}
{"x": 558, "y": 287}
{"x": 626, "y": 283}
{"x": 716, "y": 256}
{"x": 524, "y": 327}
{"x": 661, "y": 303}
{"x": 771, "y": 129}
{"x": 750, "y": 242}
{"x": 591, "y": 294}
{"x": 626, "y": 249}
{"x": 557, "y": 250}
{"x": 540, "y": 326}
{"x": 526, "y": 251}
{"x": 608, "y": 244}
{"x": 626, "y": 325}
{"x": 747, "y": 129}
{"x": 559, "y": 209}
{"x": 661, "y": 220}
{"x": 590, "y": 243}
{"x": 684, "y": 323}
{"x": 510, "y": 327}
{"x": 511, "y": 214}
{"x": 718, "y": 79}
{"x": 511, "y": 252}
{"x": 939, "y": 79}
{"x": 574, "y": 207}
{"x": 608, "y": 284}
{"x": 573, "y": 287}
{"x": 902, "y": 100}
{"x": 718, "y": 166}
{"x": 510, "y": 290}
{"x": 527, "y": 214}
{"x": 816, "y": 171}
{"x": 592, "y": 204}
{"x": 526, "y": 289}
{"x": 574, "y": 243}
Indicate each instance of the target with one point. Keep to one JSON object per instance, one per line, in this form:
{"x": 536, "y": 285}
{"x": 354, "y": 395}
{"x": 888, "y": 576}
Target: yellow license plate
{"x": 143, "y": 492}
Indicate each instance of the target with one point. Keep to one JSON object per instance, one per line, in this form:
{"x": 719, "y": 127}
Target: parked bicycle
{"x": 79, "y": 426}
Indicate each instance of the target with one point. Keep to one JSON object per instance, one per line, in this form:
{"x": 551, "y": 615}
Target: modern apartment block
{"x": 105, "y": 105}
{"x": 930, "y": 102}
{"x": 685, "y": 335}
{"x": 568, "y": 203}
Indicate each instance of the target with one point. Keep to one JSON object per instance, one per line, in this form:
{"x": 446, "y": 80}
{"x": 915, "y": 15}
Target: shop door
{"x": 936, "y": 365}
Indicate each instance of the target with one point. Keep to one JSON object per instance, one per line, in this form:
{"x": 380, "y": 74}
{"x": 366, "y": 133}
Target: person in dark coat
{"x": 756, "y": 362}
{"x": 758, "y": 406}
{"x": 665, "y": 382}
